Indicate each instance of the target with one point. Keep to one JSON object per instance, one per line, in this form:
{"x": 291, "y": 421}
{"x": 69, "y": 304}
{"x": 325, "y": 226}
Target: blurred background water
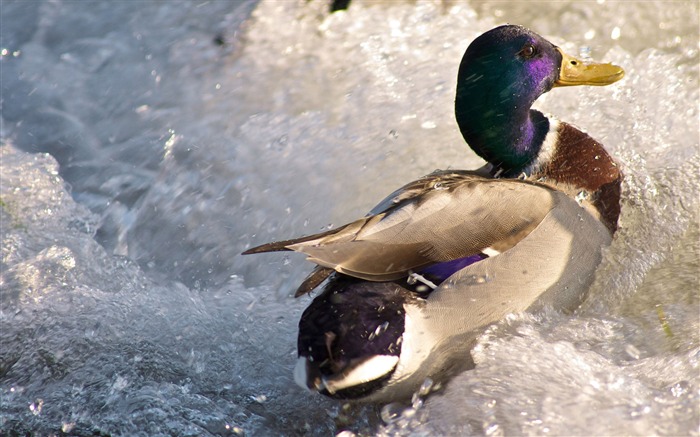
{"x": 146, "y": 144}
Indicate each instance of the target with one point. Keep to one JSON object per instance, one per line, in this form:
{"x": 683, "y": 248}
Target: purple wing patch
{"x": 440, "y": 272}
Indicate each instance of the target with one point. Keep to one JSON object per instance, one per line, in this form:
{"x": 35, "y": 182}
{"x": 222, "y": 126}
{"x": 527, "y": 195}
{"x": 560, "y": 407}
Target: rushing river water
{"x": 146, "y": 144}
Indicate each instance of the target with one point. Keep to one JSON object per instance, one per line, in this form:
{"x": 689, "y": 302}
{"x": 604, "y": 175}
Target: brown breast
{"x": 582, "y": 162}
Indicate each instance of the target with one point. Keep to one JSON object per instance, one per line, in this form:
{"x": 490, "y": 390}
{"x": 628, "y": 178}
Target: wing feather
{"x": 458, "y": 219}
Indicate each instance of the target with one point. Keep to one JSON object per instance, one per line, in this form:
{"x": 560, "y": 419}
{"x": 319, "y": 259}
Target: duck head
{"x": 501, "y": 75}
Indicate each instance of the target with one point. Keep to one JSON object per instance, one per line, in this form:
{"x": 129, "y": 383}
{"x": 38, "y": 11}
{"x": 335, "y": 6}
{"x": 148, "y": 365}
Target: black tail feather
{"x": 317, "y": 275}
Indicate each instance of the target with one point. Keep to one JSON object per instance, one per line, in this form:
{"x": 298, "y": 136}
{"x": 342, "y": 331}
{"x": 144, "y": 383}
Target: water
{"x": 180, "y": 133}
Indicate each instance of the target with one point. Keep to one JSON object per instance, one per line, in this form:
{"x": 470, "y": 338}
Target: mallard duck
{"x": 412, "y": 284}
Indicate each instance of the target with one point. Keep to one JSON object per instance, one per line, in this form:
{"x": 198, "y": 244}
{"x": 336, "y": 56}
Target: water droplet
{"x": 36, "y": 406}
{"x": 632, "y": 351}
{"x": 474, "y": 279}
{"x": 379, "y": 331}
{"x": 679, "y": 389}
{"x": 615, "y": 34}
{"x": 416, "y": 401}
{"x": 408, "y": 413}
{"x": 391, "y": 412}
{"x": 493, "y": 429}
{"x": 425, "y": 387}
{"x": 581, "y": 196}
{"x": 251, "y": 305}
{"x": 259, "y": 398}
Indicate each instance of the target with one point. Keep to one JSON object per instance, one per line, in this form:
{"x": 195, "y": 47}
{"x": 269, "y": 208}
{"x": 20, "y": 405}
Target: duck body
{"x": 411, "y": 285}
{"x": 379, "y": 337}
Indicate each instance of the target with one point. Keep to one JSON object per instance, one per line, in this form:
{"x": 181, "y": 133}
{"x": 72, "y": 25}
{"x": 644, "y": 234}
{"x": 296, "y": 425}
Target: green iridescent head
{"x": 502, "y": 73}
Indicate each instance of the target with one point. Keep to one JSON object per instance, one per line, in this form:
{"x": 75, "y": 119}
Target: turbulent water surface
{"x": 146, "y": 144}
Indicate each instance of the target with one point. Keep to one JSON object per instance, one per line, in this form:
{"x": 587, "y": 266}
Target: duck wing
{"x": 440, "y": 217}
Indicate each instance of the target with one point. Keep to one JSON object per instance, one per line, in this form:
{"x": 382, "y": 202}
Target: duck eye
{"x": 528, "y": 51}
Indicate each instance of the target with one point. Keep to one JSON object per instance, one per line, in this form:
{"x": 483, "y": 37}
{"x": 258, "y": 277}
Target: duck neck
{"x": 508, "y": 138}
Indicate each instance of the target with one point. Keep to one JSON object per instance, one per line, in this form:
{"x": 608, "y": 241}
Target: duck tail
{"x": 279, "y": 246}
{"x": 275, "y": 246}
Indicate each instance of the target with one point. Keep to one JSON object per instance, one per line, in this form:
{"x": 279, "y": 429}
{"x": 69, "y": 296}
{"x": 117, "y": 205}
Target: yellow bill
{"x": 576, "y": 72}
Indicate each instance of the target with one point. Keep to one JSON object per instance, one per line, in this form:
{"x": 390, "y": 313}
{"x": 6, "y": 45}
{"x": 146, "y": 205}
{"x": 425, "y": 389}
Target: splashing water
{"x": 182, "y": 133}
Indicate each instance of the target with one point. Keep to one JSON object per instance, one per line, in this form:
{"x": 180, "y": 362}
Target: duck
{"x": 410, "y": 286}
